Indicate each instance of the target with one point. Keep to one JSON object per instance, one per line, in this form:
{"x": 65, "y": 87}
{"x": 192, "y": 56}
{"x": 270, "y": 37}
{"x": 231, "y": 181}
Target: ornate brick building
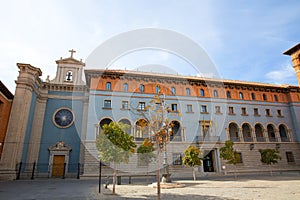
{"x": 6, "y": 98}
{"x": 60, "y": 119}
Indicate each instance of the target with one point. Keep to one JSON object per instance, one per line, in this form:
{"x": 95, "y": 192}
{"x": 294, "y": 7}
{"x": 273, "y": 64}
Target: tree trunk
{"x": 114, "y": 179}
{"x": 194, "y": 174}
{"x": 158, "y": 175}
{"x": 270, "y": 170}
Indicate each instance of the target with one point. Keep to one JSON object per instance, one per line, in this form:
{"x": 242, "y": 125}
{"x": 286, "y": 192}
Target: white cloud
{"x": 282, "y": 75}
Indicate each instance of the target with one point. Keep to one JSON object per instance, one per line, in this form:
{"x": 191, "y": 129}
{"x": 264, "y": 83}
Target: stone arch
{"x": 126, "y": 121}
{"x": 233, "y": 130}
{"x": 105, "y": 120}
{"x": 283, "y": 133}
{"x": 141, "y": 129}
{"x": 246, "y": 130}
{"x": 271, "y": 133}
{"x": 259, "y": 132}
{"x": 176, "y": 131}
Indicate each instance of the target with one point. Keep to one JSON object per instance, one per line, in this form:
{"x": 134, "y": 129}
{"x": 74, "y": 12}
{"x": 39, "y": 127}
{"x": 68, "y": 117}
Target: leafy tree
{"x": 192, "y": 158}
{"x": 115, "y": 145}
{"x": 230, "y": 154}
{"x": 145, "y": 153}
{"x": 269, "y": 157}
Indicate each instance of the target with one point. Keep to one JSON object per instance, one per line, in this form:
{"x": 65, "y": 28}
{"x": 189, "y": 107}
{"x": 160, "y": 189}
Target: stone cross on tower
{"x": 72, "y": 51}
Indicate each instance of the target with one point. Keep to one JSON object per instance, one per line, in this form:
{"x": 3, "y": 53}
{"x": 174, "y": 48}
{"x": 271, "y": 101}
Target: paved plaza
{"x": 280, "y": 186}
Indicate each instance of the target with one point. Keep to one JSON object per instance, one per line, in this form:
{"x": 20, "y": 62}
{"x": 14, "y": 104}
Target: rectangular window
{"x": 125, "y": 105}
{"x": 290, "y": 157}
{"x": 279, "y": 113}
{"x": 177, "y": 159}
{"x": 244, "y": 111}
{"x": 204, "y": 109}
{"x": 239, "y": 158}
{"x": 255, "y": 110}
{"x": 230, "y": 110}
{"x": 189, "y": 108}
{"x": 142, "y": 105}
{"x": 174, "y": 107}
{"x": 107, "y": 103}
{"x": 218, "y": 109}
{"x": 268, "y": 112}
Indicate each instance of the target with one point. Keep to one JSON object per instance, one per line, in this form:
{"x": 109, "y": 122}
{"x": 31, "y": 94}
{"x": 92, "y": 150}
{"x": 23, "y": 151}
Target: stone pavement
{"x": 279, "y": 186}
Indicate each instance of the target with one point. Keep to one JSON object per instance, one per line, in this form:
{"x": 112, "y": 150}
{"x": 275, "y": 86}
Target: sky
{"x": 244, "y": 39}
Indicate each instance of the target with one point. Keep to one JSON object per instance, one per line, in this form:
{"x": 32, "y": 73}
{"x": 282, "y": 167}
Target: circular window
{"x": 63, "y": 118}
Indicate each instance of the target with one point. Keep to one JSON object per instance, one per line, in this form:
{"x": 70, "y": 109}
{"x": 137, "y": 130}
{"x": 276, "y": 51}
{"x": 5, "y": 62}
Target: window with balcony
{"x": 218, "y": 109}
{"x": 244, "y": 111}
{"x": 279, "y": 113}
{"x": 264, "y": 97}
{"x": 157, "y": 89}
{"x": 255, "y": 112}
{"x": 189, "y": 108}
{"x": 125, "y": 105}
{"x": 275, "y": 98}
{"x": 174, "y": 107}
{"x": 107, "y": 104}
{"x": 142, "y": 106}
{"x": 230, "y": 110}
{"x": 203, "y": 109}
{"x": 268, "y": 112}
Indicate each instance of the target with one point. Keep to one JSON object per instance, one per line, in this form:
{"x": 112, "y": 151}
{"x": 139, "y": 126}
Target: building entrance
{"x": 58, "y": 166}
{"x": 208, "y": 161}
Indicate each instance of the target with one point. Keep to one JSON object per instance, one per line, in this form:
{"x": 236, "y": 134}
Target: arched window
{"x": 188, "y": 92}
{"x": 103, "y": 122}
{"x": 157, "y": 89}
{"x": 125, "y": 87}
{"x": 216, "y": 93}
{"x": 271, "y": 133}
{"x": 173, "y": 90}
{"x": 176, "y": 131}
{"x": 241, "y": 95}
{"x": 247, "y": 133}
{"x": 201, "y": 92}
{"x": 275, "y": 97}
{"x": 234, "y": 132}
{"x": 141, "y": 129}
{"x": 142, "y": 88}
{"x": 283, "y": 133}
{"x": 127, "y": 122}
{"x": 259, "y": 133}
{"x": 108, "y": 86}
{"x": 228, "y": 95}
{"x": 252, "y": 96}
{"x": 264, "y": 97}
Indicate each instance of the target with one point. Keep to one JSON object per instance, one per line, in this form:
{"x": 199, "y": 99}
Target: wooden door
{"x": 58, "y": 165}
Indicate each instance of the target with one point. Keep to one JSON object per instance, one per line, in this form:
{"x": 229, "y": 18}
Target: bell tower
{"x": 69, "y": 71}
{"x": 294, "y": 52}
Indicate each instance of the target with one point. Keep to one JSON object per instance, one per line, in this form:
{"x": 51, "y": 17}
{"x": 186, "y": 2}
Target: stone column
{"x": 277, "y": 135}
{"x": 83, "y": 131}
{"x": 18, "y": 121}
{"x": 265, "y": 134}
{"x": 241, "y": 135}
{"x": 253, "y": 134}
{"x": 36, "y": 132}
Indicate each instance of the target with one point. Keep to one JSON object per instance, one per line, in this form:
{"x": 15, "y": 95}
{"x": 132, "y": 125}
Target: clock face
{"x": 63, "y": 118}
